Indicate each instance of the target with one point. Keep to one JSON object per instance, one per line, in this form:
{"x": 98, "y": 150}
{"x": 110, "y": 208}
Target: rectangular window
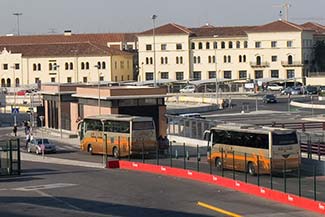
{"x": 212, "y": 74}
{"x": 148, "y": 47}
{"x": 215, "y": 45}
{"x": 163, "y": 46}
{"x": 258, "y": 74}
{"x": 227, "y": 74}
{"x": 273, "y": 43}
{"x": 290, "y": 73}
{"x": 69, "y": 79}
{"x": 5, "y": 66}
{"x": 274, "y": 58}
{"x": 179, "y": 75}
{"x": 197, "y": 75}
{"x": 289, "y": 43}
{"x": 164, "y": 75}
{"x": 274, "y": 73}
{"x": 84, "y": 79}
{"x": 37, "y": 80}
{"x": 149, "y": 76}
{"x": 53, "y": 79}
{"x": 178, "y": 46}
{"x": 242, "y": 74}
{"x": 17, "y": 66}
{"x": 101, "y": 78}
{"x": 257, "y": 44}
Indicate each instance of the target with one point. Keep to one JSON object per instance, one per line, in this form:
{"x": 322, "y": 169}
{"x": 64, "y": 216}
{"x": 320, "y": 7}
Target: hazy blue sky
{"x": 81, "y": 16}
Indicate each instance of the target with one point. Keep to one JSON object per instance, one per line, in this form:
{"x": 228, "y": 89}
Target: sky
{"x": 98, "y": 16}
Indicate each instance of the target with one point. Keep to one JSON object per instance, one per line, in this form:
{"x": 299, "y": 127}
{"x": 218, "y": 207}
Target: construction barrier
{"x": 259, "y": 191}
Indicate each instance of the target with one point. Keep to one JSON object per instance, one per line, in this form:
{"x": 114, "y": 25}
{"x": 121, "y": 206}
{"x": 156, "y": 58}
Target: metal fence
{"x": 10, "y": 157}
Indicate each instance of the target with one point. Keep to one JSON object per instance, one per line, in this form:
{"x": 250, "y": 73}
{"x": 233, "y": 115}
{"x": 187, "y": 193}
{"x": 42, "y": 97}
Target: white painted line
{"x": 43, "y": 187}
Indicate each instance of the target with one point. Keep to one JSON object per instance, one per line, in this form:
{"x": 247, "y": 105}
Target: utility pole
{"x": 17, "y": 14}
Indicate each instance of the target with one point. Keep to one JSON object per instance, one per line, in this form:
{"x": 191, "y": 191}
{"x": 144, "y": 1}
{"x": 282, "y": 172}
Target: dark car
{"x": 311, "y": 90}
{"x": 269, "y": 98}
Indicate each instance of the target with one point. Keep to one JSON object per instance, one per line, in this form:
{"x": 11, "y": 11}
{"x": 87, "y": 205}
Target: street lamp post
{"x": 18, "y": 14}
{"x": 154, "y": 17}
{"x": 98, "y": 87}
{"x": 14, "y": 83}
{"x": 57, "y": 67}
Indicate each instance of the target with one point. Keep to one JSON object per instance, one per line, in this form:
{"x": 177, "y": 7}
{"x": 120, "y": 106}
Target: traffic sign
{"x": 15, "y": 110}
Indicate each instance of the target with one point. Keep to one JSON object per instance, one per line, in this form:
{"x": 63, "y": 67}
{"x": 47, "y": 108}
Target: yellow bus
{"x": 125, "y": 134}
{"x": 251, "y": 148}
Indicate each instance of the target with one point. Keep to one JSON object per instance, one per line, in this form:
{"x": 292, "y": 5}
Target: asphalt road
{"x": 56, "y": 190}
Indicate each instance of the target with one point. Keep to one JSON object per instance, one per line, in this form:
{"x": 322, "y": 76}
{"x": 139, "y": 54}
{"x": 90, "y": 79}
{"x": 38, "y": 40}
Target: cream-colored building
{"x": 278, "y": 50}
{"x": 65, "y": 62}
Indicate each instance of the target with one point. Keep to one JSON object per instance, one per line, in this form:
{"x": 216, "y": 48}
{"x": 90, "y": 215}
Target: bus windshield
{"x": 284, "y": 139}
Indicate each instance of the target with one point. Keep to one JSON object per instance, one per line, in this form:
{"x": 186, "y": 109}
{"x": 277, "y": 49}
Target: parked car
{"x": 35, "y": 146}
{"x": 291, "y": 91}
{"x": 286, "y": 91}
{"x": 275, "y": 87}
{"x": 188, "y": 89}
{"x": 191, "y": 115}
{"x": 311, "y": 90}
{"x": 321, "y": 89}
{"x": 21, "y": 93}
{"x": 269, "y": 98}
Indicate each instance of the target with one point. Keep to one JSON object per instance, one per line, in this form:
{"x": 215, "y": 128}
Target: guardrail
{"x": 299, "y": 125}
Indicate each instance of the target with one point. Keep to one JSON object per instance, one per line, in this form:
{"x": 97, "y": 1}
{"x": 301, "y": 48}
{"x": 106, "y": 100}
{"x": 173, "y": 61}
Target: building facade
{"x": 278, "y": 50}
{"x": 28, "y": 64}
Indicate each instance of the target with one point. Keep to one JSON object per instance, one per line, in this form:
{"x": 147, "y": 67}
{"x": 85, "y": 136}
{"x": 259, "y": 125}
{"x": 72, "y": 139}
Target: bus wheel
{"x": 251, "y": 169}
{"x": 90, "y": 149}
{"x": 218, "y": 163}
{"x": 115, "y": 152}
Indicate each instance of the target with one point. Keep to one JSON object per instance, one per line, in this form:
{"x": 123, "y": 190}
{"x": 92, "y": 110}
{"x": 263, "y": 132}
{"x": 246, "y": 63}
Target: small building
{"x": 72, "y": 102}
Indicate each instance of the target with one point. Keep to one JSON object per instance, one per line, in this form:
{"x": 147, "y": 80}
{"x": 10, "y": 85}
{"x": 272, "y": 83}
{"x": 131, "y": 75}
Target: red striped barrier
{"x": 259, "y": 191}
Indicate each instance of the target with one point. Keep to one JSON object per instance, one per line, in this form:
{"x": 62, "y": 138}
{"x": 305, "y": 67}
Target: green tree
{"x": 319, "y": 55}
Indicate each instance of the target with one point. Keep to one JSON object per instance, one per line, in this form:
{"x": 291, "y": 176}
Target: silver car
{"x": 188, "y": 89}
{"x": 36, "y": 145}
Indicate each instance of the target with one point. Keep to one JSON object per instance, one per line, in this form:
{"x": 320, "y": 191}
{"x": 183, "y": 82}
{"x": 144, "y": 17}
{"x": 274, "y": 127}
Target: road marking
{"x": 217, "y": 209}
{"x": 42, "y": 187}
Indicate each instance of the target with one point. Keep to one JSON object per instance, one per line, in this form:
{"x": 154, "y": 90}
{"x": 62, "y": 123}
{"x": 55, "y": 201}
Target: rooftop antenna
{"x": 280, "y": 15}
{"x": 285, "y": 6}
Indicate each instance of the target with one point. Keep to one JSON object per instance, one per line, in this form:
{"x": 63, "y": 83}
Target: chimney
{"x": 67, "y": 32}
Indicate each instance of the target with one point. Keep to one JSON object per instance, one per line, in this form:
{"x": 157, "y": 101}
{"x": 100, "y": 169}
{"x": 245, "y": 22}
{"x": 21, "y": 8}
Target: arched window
{"x": 230, "y": 44}
{"x": 225, "y": 59}
{"x": 17, "y": 82}
{"x": 34, "y": 67}
{"x": 161, "y": 60}
{"x": 147, "y": 60}
{"x": 258, "y": 60}
{"x": 194, "y": 59}
{"x": 82, "y": 65}
{"x": 151, "y": 60}
{"x": 3, "y": 82}
{"x": 209, "y": 59}
{"x": 66, "y": 66}
{"x": 8, "y": 82}
{"x": 177, "y": 60}
{"x": 193, "y": 45}
{"x": 99, "y": 65}
{"x": 245, "y": 44}
{"x": 223, "y": 44}
{"x": 198, "y": 59}
{"x": 237, "y": 44}
{"x": 244, "y": 58}
{"x": 103, "y": 65}
{"x": 200, "y": 45}
{"x": 181, "y": 60}
{"x": 87, "y": 65}
{"x": 50, "y": 67}
{"x": 166, "y": 60}
{"x": 290, "y": 59}
{"x": 207, "y": 45}
{"x": 229, "y": 59}
{"x": 39, "y": 67}
{"x": 240, "y": 58}
{"x": 215, "y": 45}
{"x": 214, "y": 59}
{"x": 71, "y": 66}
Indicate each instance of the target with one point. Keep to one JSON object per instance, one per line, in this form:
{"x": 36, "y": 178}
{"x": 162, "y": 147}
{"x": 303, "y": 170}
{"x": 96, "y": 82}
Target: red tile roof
{"x": 100, "y": 39}
{"x": 221, "y": 31}
{"x": 62, "y": 50}
{"x": 279, "y": 26}
{"x": 168, "y": 29}
{"x": 318, "y": 28}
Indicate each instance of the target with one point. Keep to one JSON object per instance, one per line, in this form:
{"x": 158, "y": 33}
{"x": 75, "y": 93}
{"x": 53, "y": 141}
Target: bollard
{"x": 171, "y": 153}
